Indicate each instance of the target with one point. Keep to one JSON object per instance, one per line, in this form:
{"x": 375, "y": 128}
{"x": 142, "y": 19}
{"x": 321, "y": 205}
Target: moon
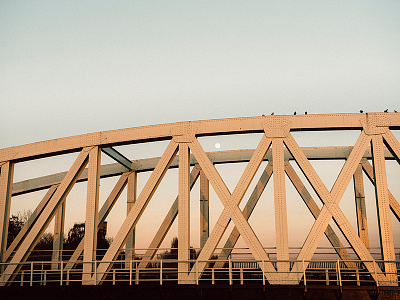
{"x": 217, "y": 145}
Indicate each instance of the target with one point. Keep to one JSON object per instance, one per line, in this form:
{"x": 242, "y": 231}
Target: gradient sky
{"x": 73, "y": 67}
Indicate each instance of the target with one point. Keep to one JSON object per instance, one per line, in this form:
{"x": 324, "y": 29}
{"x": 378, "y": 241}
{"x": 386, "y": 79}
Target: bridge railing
{"x": 233, "y": 272}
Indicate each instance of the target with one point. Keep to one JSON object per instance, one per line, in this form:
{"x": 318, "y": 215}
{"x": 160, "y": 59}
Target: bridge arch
{"x": 276, "y": 145}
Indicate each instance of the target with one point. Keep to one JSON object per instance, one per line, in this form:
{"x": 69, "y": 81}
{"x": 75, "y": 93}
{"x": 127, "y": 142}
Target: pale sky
{"x": 73, "y": 67}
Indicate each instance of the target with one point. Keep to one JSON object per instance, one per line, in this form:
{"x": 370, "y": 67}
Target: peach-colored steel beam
{"x": 104, "y": 211}
{"x": 247, "y": 211}
{"x": 206, "y": 127}
{"x": 315, "y": 211}
{"x": 58, "y": 237}
{"x": 166, "y": 224}
{"x": 231, "y": 210}
{"x": 204, "y": 209}
{"x": 281, "y": 227}
{"x": 45, "y": 217}
{"x": 394, "y": 205}
{"x": 131, "y": 198}
{"x": 219, "y": 157}
{"x": 28, "y": 224}
{"x": 362, "y": 224}
{"x": 6, "y": 179}
{"x": 383, "y": 210}
{"x": 137, "y": 210}
{"x": 184, "y": 213}
{"x": 331, "y": 208}
{"x": 92, "y": 216}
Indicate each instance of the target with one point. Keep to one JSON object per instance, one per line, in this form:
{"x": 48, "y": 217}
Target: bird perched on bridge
{"x": 295, "y": 113}
{"x": 272, "y": 114}
{"x": 386, "y": 110}
{"x": 305, "y": 113}
{"x": 395, "y": 110}
{"x": 361, "y": 111}
{"x": 263, "y": 115}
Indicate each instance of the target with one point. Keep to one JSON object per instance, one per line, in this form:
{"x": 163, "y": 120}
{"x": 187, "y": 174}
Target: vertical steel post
{"x": 281, "y": 227}
{"x": 184, "y": 214}
{"x": 204, "y": 209}
{"x": 131, "y": 198}
{"x": 58, "y": 237}
{"x": 360, "y": 206}
{"x": 383, "y": 209}
{"x": 6, "y": 181}
{"x": 92, "y": 203}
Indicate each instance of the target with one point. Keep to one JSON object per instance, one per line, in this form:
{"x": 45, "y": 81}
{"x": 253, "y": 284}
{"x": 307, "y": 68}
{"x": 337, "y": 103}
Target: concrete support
{"x": 131, "y": 198}
{"x": 204, "y": 209}
{"x": 382, "y": 204}
{"x": 360, "y": 206}
{"x": 58, "y": 237}
{"x": 184, "y": 214}
{"x": 92, "y": 203}
{"x": 281, "y": 227}
{"x": 6, "y": 180}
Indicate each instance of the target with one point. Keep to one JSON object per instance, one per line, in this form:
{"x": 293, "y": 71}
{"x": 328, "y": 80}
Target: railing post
{"x": 113, "y": 276}
{"x": 45, "y": 277}
{"x": 212, "y": 276}
{"x": 230, "y": 271}
{"x": 161, "y": 272}
{"x": 22, "y": 279}
{"x": 67, "y": 283}
{"x": 95, "y": 272}
{"x": 340, "y": 278}
{"x": 137, "y": 275}
{"x": 31, "y": 280}
{"x": 197, "y": 274}
{"x": 327, "y": 276}
{"x": 358, "y": 277}
{"x": 241, "y": 276}
{"x": 61, "y": 273}
{"x": 130, "y": 272}
{"x": 304, "y": 275}
{"x": 262, "y": 270}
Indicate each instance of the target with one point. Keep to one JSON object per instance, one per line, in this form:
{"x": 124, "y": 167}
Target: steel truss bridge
{"x": 375, "y": 143}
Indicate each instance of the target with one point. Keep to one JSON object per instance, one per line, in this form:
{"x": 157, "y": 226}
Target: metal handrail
{"x": 166, "y": 270}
